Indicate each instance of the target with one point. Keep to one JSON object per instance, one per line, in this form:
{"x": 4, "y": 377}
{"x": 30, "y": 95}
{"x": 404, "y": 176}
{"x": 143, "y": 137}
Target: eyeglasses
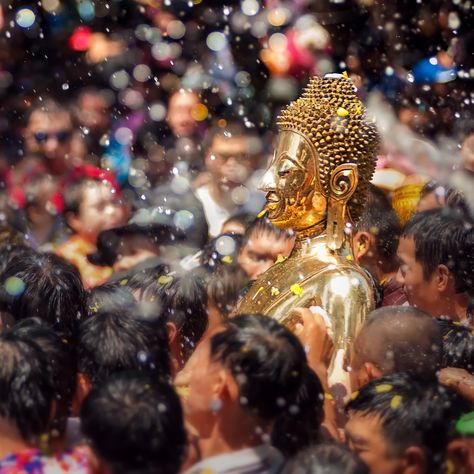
{"x": 62, "y": 136}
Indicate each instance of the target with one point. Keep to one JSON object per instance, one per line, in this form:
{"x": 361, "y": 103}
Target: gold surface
{"x": 316, "y": 183}
{"x": 405, "y": 199}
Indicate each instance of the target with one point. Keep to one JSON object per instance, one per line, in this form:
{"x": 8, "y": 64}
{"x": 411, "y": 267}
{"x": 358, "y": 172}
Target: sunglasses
{"x": 62, "y": 136}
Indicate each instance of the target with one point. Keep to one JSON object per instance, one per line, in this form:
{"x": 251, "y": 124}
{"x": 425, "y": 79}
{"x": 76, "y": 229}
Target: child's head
{"x": 92, "y": 205}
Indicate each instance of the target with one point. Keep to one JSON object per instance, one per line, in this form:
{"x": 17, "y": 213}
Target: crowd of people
{"x": 133, "y": 136}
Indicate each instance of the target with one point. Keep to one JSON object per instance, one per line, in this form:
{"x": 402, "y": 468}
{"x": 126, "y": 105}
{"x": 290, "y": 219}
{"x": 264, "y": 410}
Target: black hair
{"x": 222, "y": 249}
{"x": 8, "y": 252}
{"x": 444, "y": 237}
{"x": 330, "y": 458}
{"x": 446, "y": 195}
{"x": 26, "y": 393}
{"x": 412, "y": 413}
{"x": 182, "y": 300}
{"x": 457, "y": 345}
{"x": 139, "y": 280}
{"x": 244, "y": 218}
{"x": 380, "y": 219}
{"x": 135, "y": 424}
{"x": 267, "y": 361}
{"x": 61, "y": 366}
{"x": 46, "y": 286}
{"x": 125, "y": 339}
{"x": 264, "y": 226}
{"x": 109, "y": 297}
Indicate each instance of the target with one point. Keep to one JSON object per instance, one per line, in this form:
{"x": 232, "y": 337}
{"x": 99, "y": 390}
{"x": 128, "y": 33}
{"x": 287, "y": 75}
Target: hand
{"x": 450, "y": 376}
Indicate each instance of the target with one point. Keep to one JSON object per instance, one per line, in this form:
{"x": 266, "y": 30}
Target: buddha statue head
{"x": 325, "y": 157}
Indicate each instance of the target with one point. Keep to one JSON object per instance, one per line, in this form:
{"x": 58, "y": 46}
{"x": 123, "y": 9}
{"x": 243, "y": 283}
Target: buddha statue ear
{"x": 342, "y": 184}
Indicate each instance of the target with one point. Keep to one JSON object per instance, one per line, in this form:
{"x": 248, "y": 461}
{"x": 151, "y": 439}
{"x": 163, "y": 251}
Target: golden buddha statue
{"x": 316, "y": 185}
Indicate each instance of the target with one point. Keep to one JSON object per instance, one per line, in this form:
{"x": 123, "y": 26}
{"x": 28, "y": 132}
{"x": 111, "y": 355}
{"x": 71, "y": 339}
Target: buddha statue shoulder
{"x": 316, "y": 185}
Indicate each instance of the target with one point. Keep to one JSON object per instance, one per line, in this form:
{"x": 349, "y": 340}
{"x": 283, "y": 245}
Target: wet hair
{"x": 182, "y": 300}
{"x": 135, "y": 424}
{"x": 245, "y": 219}
{"x": 109, "y": 297}
{"x": 61, "y": 365}
{"x": 330, "y": 458}
{"x": 380, "y": 219}
{"x": 10, "y": 251}
{"x": 266, "y": 360}
{"x": 457, "y": 345}
{"x": 48, "y": 287}
{"x": 125, "y": 339}
{"x": 26, "y": 393}
{"x": 212, "y": 254}
{"x": 401, "y": 339}
{"x": 140, "y": 280}
{"x": 444, "y": 237}
{"x": 411, "y": 413}
{"x": 264, "y": 226}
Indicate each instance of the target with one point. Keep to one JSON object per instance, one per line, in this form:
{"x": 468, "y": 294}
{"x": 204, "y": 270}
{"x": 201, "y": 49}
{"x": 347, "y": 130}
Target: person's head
{"x": 435, "y": 253}
{"x": 223, "y": 249}
{"x": 376, "y": 232}
{"x": 39, "y": 208}
{"x": 237, "y": 224}
{"x": 48, "y": 133}
{"x": 181, "y": 301}
{"x": 467, "y": 152}
{"x": 399, "y": 424}
{"x": 91, "y": 205}
{"x": 435, "y": 195}
{"x": 134, "y": 423}
{"x": 26, "y": 393}
{"x": 251, "y": 371}
{"x": 396, "y": 339}
{"x": 137, "y": 282}
{"x": 115, "y": 341}
{"x": 44, "y": 285}
{"x": 92, "y": 111}
{"x": 109, "y": 297}
{"x": 61, "y": 368}
{"x": 263, "y": 244}
{"x": 457, "y": 345}
{"x": 228, "y": 154}
{"x": 181, "y": 118}
{"x": 325, "y": 459}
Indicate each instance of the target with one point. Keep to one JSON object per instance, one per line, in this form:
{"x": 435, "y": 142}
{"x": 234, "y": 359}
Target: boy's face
{"x": 420, "y": 292}
{"x": 228, "y": 160}
{"x": 50, "y": 135}
{"x": 364, "y": 436}
{"x": 100, "y": 209}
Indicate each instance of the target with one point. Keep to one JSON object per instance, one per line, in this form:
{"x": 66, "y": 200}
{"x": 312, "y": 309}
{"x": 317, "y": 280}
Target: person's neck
{"x": 10, "y": 440}
{"x": 227, "y": 437}
{"x": 382, "y": 270}
{"x": 454, "y": 306}
{"x": 221, "y": 194}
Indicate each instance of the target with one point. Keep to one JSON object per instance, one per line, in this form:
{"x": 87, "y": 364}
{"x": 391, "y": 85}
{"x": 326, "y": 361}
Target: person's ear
{"x": 363, "y": 243}
{"x": 414, "y": 461}
{"x": 73, "y": 222}
{"x": 443, "y": 277}
{"x": 372, "y": 371}
{"x": 83, "y": 387}
{"x": 172, "y": 331}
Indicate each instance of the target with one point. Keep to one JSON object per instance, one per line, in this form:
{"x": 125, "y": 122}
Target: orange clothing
{"x": 75, "y": 251}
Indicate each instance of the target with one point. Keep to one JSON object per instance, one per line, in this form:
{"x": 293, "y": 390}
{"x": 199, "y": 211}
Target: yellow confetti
{"x": 354, "y": 395}
{"x": 123, "y": 282}
{"x": 227, "y": 259}
{"x": 383, "y": 388}
{"x": 395, "y": 401}
{"x": 342, "y": 112}
{"x": 261, "y": 213}
{"x": 296, "y": 289}
{"x": 449, "y": 467}
{"x": 344, "y": 73}
{"x": 349, "y": 258}
{"x": 275, "y": 291}
{"x": 358, "y": 110}
{"x": 206, "y": 470}
{"x": 328, "y": 396}
{"x": 164, "y": 279}
{"x": 281, "y": 258}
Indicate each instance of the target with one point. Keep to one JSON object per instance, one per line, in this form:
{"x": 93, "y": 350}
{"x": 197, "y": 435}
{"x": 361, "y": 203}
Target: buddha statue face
{"x": 294, "y": 197}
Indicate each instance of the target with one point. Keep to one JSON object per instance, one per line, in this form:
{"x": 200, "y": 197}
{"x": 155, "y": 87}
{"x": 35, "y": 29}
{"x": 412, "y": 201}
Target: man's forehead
{"x": 50, "y": 120}
{"x": 223, "y": 143}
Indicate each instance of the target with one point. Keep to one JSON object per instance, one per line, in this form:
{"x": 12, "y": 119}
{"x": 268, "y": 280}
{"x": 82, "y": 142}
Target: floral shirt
{"x": 32, "y": 461}
{"x": 75, "y": 250}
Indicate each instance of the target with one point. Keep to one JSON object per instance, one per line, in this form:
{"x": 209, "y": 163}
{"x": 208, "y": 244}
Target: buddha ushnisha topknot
{"x": 330, "y": 114}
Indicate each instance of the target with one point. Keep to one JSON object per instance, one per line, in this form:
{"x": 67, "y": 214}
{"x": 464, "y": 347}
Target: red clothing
{"x": 393, "y": 294}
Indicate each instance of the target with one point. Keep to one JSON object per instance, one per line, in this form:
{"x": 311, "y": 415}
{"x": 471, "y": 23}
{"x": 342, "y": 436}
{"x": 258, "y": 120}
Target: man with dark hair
{"x": 375, "y": 244}
{"x": 45, "y": 286}
{"x": 262, "y": 246}
{"x": 436, "y": 253}
{"x": 396, "y": 339}
{"x": 111, "y": 342}
{"x": 399, "y": 424}
{"x": 134, "y": 423}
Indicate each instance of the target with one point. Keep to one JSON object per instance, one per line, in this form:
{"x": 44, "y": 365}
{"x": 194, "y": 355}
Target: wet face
{"x": 261, "y": 252}
{"x": 291, "y": 183}
{"x": 180, "y": 113}
{"x": 50, "y": 135}
{"x": 364, "y": 436}
{"x": 420, "y": 292}
{"x": 100, "y": 209}
{"x": 228, "y": 160}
